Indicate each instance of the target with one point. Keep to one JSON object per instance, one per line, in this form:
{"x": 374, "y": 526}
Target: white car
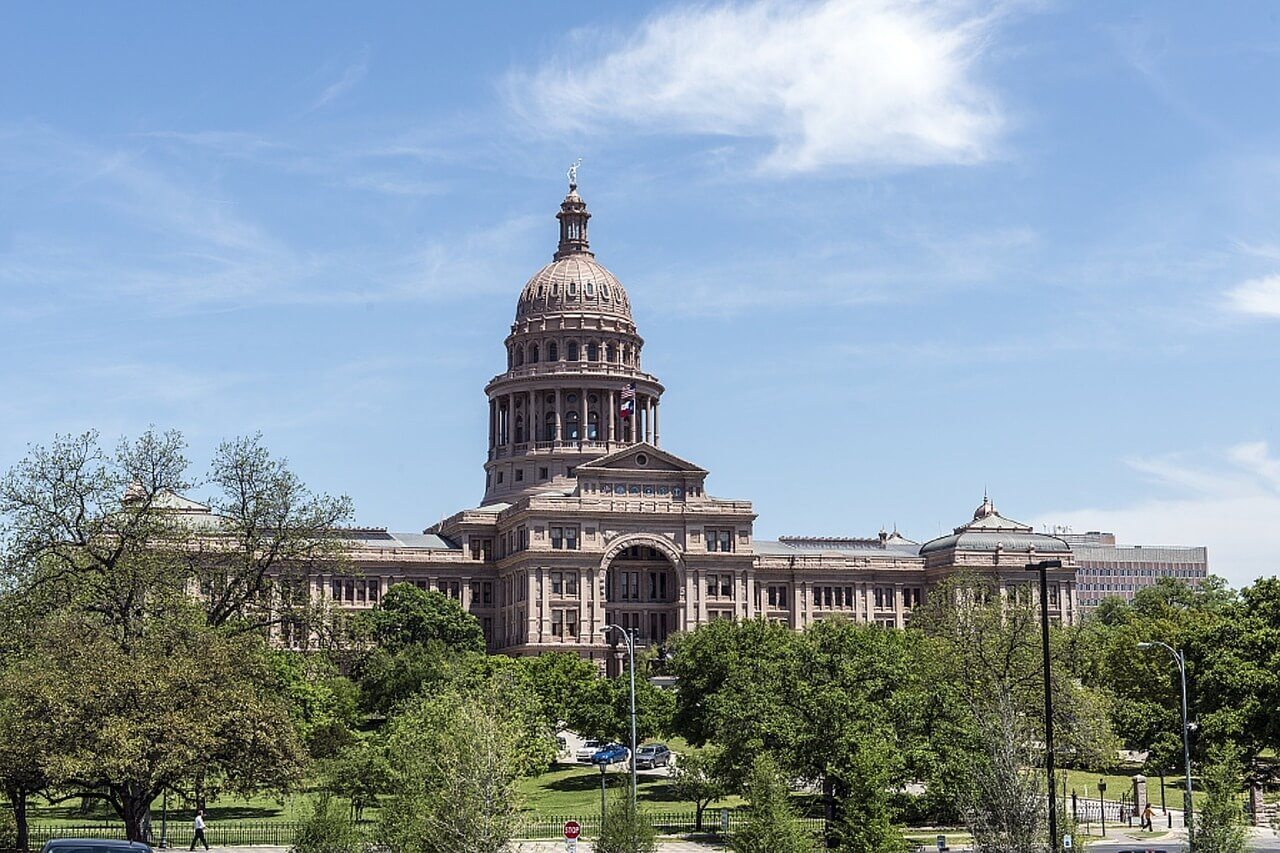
{"x": 589, "y": 748}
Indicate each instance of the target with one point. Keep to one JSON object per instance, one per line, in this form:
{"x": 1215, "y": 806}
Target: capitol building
{"x": 589, "y": 520}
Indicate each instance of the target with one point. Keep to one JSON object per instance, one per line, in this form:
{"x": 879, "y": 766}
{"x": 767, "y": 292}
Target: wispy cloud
{"x": 350, "y": 78}
{"x": 1258, "y": 296}
{"x": 1228, "y": 501}
{"x": 838, "y": 83}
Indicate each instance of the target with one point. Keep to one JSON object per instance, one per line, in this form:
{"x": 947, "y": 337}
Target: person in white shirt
{"x": 199, "y": 831}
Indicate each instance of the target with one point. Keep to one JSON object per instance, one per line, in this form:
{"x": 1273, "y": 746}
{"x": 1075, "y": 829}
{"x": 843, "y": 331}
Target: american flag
{"x": 628, "y": 400}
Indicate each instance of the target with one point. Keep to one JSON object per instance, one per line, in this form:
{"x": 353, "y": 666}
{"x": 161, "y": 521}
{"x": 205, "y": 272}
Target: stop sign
{"x": 572, "y": 829}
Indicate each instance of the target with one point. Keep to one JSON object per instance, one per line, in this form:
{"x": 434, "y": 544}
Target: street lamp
{"x": 1042, "y": 567}
{"x": 1102, "y": 805}
{"x": 1181, "y": 660}
{"x": 631, "y": 653}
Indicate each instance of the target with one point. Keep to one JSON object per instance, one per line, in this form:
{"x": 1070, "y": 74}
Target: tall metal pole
{"x": 631, "y": 661}
{"x": 1186, "y": 750}
{"x": 1042, "y": 568}
{"x": 1180, "y": 659}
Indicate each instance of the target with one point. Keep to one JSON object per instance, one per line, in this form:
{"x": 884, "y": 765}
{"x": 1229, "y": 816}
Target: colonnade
{"x": 547, "y": 417}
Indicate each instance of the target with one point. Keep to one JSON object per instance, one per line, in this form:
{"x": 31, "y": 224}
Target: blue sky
{"x": 884, "y": 255}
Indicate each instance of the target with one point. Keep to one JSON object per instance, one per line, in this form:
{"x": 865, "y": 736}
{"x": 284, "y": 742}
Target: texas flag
{"x": 628, "y": 401}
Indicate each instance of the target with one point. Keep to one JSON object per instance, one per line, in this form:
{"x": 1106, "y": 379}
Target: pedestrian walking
{"x": 199, "y": 831}
{"x": 1146, "y": 823}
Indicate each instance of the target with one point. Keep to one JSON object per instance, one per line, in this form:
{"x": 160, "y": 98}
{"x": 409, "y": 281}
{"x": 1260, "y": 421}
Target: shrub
{"x": 328, "y": 830}
{"x": 625, "y": 830}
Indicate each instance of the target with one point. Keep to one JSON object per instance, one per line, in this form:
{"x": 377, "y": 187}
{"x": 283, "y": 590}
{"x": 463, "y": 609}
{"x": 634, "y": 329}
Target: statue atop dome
{"x": 573, "y": 173}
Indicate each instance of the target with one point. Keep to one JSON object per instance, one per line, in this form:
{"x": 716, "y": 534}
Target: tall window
{"x": 519, "y": 356}
{"x": 593, "y": 426}
{"x": 610, "y": 353}
{"x": 593, "y": 351}
{"x": 777, "y": 596}
{"x": 564, "y": 538}
{"x": 572, "y": 432}
{"x": 533, "y": 354}
{"x": 553, "y": 352}
{"x": 571, "y": 351}
{"x": 719, "y": 539}
{"x": 549, "y": 428}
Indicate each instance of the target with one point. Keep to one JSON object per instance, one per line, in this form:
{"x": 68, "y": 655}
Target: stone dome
{"x": 573, "y": 284}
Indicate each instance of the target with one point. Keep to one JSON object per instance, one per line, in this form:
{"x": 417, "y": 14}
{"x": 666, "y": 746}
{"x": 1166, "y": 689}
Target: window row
{"x": 719, "y": 539}
{"x": 609, "y": 353}
{"x": 564, "y": 537}
{"x": 720, "y": 586}
{"x": 564, "y": 622}
{"x": 647, "y": 490}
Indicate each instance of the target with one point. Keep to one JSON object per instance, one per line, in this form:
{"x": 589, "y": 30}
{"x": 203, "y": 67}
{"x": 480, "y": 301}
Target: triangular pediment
{"x": 640, "y": 458}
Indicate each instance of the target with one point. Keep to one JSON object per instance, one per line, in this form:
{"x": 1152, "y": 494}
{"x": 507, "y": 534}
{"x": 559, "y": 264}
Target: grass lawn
{"x": 575, "y": 788}
{"x": 1086, "y": 784}
{"x": 226, "y": 810}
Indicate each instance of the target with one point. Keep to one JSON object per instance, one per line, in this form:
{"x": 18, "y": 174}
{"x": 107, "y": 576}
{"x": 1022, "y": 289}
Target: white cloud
{"x": 838, "y": 83}
{"x": 1229, "y": 503}
{"x": 1259, "y": 296}
{"x": 351, "y": 77}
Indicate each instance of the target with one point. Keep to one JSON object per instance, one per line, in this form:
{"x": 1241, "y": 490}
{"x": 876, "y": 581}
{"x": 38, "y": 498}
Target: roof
{"x": 849, "y": 547}
{"x": 990, "y": 530}
{"x": 377, "y": 537}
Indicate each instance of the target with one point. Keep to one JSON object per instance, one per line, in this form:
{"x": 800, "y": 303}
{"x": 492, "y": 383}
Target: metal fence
{"x": 536, "y": 827}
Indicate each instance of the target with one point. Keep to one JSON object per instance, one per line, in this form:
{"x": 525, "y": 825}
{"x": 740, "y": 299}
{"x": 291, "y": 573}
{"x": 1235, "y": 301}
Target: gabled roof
{"x": 625, "y": 459}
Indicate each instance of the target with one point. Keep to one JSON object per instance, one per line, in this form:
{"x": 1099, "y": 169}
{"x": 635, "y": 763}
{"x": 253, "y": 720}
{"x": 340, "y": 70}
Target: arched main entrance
{"x": 642, "y": 591}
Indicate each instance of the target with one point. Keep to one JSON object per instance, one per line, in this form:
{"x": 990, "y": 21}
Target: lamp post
{"x": 1102, "y": 805}
{"x": 1042, "y": 567}
{"x": 1181, "y": 660}
{"x": 631, "y": 654}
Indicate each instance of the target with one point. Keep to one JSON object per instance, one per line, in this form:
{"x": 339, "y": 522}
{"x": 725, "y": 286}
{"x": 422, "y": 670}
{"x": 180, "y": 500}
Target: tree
{"x": 408, "y": 616}
{"x": 625, "y": 830}
{"x": 695, "y": 779}
{"x": 1220, "y": 824}
{"x": 603, "y": 711}
{"x": 455, "y": 761}
{"x": 183, "y": 706}
{"x": 327, "y": 830}
{"x": 117, "y": 521}
{"x": 360, "y": 773}
{"x": 323, "y": 703}
{"x": 771, "y": 825}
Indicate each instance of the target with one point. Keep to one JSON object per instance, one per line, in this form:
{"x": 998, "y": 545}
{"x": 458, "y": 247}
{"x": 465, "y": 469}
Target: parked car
{"x": 614, "y": 753}
{"x": 653, "y": 755}
{"x": 93, "y": 845}
{"x": 588, "y": 749}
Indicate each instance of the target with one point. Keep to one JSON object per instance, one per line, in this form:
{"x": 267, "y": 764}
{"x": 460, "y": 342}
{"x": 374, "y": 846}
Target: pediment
{"x": 640, "y": 458}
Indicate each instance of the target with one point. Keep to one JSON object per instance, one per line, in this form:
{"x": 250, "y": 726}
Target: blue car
{"x": 611, "y": 754}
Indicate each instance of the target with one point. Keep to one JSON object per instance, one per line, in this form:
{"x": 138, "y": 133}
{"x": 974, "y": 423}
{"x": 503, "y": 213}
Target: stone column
{"x": 899, "y": 612}
{"x": 655, "y": 423}
{"x": 511, "y": 421}
{"x": 559, "y": 429}
{"x": 610, "y": 414}
{"x": 585, "y": 623}
{"x": 544, "y": 601}
{"x": 1139, "y": 793}
{"x": 493, "y": 439}
{"x": 582, "y": 417}
{"x": 531, "y": 615}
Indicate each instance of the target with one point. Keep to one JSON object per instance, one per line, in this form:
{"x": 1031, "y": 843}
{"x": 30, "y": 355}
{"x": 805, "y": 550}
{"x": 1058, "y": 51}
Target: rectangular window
{"x": 557, "y": 539}
{"x": 712, "y": 586}
{"x": 570, "y": 583}
{"x": 486, "y": 592}
{"x": 726, "y": 586}
{"x": 840, "y": 596}
{"x": 557, "y": 584}
{"x": 571, "y": 538}
{"x": 542, "y": 473}
{"x": 719, "y": 540}
{"x": 633, "y": 579}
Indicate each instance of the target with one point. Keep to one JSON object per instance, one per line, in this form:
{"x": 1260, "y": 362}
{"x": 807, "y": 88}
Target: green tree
{"x": 771, "y": 825}
{"x": 695, "y": 779}
{"x": 625, "y": 830}
{"x": 323, "y": 703}
{"x": 455, "y": 762}
{"x": 604, "y": 710}
{"x": 1219, "y": 827}
{"x": 360, "y": 773}
{"x": 409, "y": 616}
{"x": 327, "y": 830}
{"x": 182, "y": 706}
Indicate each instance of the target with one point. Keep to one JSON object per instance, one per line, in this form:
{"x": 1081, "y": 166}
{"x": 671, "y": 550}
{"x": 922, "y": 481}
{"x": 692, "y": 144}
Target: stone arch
{"x": 661, "y": 544}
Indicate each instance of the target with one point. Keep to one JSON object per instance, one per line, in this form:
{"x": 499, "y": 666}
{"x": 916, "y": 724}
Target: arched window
{"x": 519, "y": 429}
{"x": 626, "y": 354}
{"x": 533, "y": 354}
{"x": 519, "y": 356}
{"x": 593, "y": 351}
{"x": 572, "y": 431}
{"x": 553, "y": 352}
{"x": 593, "y": 426}
{"x": 549, "y": 428}
{"x": 610, "y": 353}
{"x": 571, "y": 351}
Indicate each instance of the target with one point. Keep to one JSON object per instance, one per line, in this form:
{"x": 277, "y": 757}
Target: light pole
{"x": 1181, "y": 660}
{"x": 1042, "y": 567}
{"x": 1102, "y": 805}
{"x": 631, "y": 654}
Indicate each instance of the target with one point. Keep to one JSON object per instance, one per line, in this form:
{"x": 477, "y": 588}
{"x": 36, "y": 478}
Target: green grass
{"x": 575, "y": 788}
{"x": 1118, "y": 784}
{"x": 226, "y": 810}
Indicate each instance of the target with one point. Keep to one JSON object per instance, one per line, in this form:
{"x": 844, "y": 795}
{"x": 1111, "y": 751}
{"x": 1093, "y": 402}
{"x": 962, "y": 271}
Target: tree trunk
{"x": 697, "y": 816}
{"x": 17, "y": 795}
{"x": 135, "y": 809}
